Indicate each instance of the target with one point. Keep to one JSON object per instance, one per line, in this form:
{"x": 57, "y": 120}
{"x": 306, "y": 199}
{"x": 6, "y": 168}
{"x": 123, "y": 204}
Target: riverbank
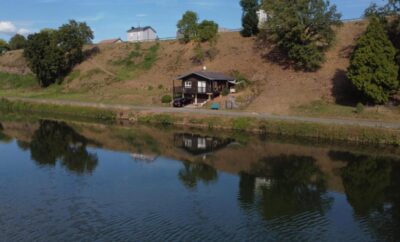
{"x": 361, "y": 132}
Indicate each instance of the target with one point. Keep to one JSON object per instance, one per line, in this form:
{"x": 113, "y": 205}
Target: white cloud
{"x": 9, "y": 28}
{"x": 141, "y": 15}
{"x": 24, "y": 32}
{"x": 95, "y": 18}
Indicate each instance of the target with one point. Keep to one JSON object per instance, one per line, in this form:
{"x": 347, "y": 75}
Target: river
{"x": 77, "y": 181}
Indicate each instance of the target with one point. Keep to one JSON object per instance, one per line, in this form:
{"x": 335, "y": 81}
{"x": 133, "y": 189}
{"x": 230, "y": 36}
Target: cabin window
{"x": 188, "y": 84}
{"x": 188, "y": 143}
{"x": 201, "y": 86}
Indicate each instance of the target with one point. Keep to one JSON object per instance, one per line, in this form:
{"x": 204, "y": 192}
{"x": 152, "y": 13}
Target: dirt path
{"x": 94, "y": 63}
{"x": 265, "y": 116}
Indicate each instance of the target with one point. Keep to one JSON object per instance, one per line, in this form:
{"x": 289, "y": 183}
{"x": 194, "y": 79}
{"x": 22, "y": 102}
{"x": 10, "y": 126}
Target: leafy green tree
{"x": 249, "y": 17}
{"x": 3, "y": 46}
{"x": 372, "y": 69}
{"x": 71, "y": 38}
{"x": 45, "y": 58}
{"x": 17, "y": 42}
{"x": 207, "y": 30}
{"x": 187, "y": 26}
{"x": 302, "y": 30}
{"x": 51, "y": 54}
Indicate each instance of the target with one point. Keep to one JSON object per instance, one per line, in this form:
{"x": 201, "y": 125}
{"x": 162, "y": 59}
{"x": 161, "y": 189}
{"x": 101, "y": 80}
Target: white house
{"x": 141, "y": 34}
{"x": 262, "y": 18}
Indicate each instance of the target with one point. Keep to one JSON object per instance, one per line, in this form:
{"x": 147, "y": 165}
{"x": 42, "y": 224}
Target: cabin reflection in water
{"x": 200, "y": 145}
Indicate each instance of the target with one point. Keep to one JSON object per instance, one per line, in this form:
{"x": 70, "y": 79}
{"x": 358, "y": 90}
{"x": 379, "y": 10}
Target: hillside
{"x": 140, "y": 74}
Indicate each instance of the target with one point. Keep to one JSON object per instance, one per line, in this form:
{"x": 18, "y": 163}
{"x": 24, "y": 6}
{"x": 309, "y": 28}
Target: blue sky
{"x": 111, "y": 19}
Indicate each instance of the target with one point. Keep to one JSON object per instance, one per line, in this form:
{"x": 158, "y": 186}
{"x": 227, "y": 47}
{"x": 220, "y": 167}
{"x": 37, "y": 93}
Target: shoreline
{"x": 355, "y": 131}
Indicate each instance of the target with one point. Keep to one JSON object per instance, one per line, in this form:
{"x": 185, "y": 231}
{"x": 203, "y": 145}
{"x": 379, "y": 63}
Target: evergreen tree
{"x": 372, "y": 69}
{"x": 249, "y": 17}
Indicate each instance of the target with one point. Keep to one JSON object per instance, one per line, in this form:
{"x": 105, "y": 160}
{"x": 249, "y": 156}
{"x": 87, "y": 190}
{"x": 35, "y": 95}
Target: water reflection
{"x": 4, "y": 138}
{"x": 284, "y": 185}
{"x": 199, "y": 145}
{"x": 193, "y": 173}
{"x": 56, "y": 141}
{"x": 283, "y": 190}
{"x": 372, "y": 186}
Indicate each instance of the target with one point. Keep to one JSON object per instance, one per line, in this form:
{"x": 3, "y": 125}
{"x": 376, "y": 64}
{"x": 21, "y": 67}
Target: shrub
{"x": 199, "y": 55}
{"x": 225, "y": 91}
{"x": 241, "y": 124}
{"x": 166, "y": 99}
{"x": 359, "y": 108}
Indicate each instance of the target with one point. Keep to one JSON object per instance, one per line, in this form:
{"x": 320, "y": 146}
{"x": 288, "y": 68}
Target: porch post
{"x": 173, "y": 89}
{"x": 195, "y": 98}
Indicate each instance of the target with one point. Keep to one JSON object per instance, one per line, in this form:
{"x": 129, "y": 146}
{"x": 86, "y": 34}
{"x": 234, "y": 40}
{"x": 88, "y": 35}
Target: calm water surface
{"x": 90, "y": 182}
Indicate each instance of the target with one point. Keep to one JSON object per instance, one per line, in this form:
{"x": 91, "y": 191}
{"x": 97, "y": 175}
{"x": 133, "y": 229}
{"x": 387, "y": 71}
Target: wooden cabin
{"x": 202, "y": 85}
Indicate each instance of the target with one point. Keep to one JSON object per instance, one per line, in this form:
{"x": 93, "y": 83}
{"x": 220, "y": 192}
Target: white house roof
{"x": 140, "y": 29}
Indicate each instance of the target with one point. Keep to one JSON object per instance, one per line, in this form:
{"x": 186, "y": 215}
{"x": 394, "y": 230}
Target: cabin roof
{"x": 212, "y": 76}
{"x": 140, "y": 29}
{"x": 110, "y": 41}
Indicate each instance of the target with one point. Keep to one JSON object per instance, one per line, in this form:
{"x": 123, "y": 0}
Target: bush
{"x": 166, "y": 99}
{"x": 199, "y": 55}
{"x": 359, "y": 108}
{"x": 241, "y": 124}
{"x": 225, "y": 92}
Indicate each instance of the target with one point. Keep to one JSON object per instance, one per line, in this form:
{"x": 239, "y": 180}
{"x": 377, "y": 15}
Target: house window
{"x": 188, "y": 84}
{"x": 201, "y": 87}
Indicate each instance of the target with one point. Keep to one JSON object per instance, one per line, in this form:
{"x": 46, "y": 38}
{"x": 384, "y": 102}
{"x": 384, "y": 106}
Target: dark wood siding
{"x": 193, "y": 79}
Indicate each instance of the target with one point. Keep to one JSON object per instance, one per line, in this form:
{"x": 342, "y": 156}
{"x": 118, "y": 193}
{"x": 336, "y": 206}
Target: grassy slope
{"x": 141, "y": 74}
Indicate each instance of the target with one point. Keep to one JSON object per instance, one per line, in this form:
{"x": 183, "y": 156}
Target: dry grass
{"x": 118, "y": 73}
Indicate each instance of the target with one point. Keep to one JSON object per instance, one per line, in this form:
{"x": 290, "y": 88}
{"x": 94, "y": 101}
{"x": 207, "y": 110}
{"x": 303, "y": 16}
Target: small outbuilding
{"x": 202, "y": 85}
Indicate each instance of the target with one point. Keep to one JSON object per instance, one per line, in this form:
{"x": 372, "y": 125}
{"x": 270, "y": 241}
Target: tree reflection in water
{"x": 372, "y": 186}
{"x": 55, "y": 141}
{"x": 193, "y": 173}
{"x": 3, "y": 137}
{"x": 284, "y": 185}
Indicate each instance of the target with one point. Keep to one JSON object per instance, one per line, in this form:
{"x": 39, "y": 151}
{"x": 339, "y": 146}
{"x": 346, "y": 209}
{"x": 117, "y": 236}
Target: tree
{"x": 17, "y": 42}
{"x": 187, "y": 26}
{"x": 249, "y": 17}
{"x": 71, "y": 38}
{"x": 3, "y": 46}
{"x": 45, "y": 58}
{"x": 207, "y": 30}
{"x": 52, "y": 54}
{"x": 302, "y": 30}
{"x": 372, "y": 69}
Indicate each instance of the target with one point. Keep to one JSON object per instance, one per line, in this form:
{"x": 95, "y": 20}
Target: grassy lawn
{"x": 330, "y": 110}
